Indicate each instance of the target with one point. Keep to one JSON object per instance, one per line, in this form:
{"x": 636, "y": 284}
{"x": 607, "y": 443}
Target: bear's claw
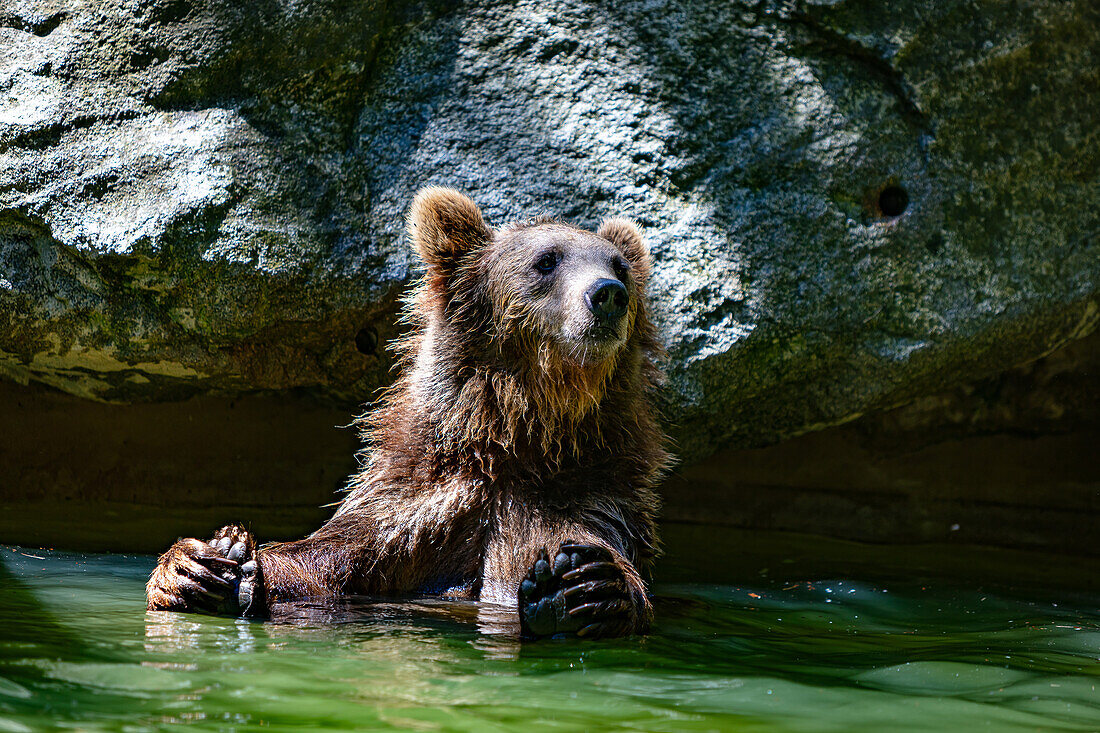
{"x": 581, "y": 591}
{"x": 221, "y": 576}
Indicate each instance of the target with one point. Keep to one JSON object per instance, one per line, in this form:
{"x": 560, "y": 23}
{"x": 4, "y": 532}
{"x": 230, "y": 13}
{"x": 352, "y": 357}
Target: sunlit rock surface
{"x": 851, "y": 204}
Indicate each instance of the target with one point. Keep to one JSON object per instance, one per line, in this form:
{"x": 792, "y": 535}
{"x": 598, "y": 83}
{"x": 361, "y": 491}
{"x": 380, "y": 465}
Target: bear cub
{"x": 514, "y": 459}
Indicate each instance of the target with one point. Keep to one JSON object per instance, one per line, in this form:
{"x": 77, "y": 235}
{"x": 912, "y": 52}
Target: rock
{"x": 1006, "y": 460}
{"x": 851, "y": 204}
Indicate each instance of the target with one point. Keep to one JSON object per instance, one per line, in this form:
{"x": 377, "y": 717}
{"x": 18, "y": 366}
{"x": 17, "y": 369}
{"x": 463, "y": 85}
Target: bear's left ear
{"x": 624, "y": 234}
{"x": 444, "y": 225}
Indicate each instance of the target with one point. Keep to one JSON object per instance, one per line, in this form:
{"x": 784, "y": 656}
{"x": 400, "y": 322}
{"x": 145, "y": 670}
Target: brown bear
{"x": 514, "y": 459}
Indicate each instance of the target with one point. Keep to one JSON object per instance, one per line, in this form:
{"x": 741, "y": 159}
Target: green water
{"x": 869, "y": 648}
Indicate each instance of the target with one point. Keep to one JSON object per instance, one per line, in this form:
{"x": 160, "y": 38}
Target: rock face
{"x": 851, "y": 204}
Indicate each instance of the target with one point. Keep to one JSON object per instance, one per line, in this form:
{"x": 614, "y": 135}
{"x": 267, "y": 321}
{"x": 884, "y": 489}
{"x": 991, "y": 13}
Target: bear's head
{"x": 538, "y": 321}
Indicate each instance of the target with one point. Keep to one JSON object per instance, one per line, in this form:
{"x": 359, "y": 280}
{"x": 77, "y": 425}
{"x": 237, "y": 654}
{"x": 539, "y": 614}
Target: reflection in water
{"x": 167, "y": 632}
{"x": 78, "y": 650}
{"x": 497, "y": 626}
{"x": 499, "y": 631}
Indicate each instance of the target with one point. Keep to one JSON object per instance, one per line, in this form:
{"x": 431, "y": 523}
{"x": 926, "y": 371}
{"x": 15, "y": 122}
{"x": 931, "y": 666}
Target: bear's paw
{"x": 580, "y": 590}
{"x": 222, "y": 576}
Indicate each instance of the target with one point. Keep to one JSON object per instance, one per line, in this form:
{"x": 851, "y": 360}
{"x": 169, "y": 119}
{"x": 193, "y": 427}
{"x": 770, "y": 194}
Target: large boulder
{"x": 851, "y": 203}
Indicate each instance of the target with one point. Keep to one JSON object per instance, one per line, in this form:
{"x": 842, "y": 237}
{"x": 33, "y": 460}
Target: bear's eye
{"x": 621, "y": 268}
{"x": 547, "y": 263}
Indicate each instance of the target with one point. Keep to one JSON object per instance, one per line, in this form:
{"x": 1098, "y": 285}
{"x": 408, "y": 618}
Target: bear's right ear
{"x": 624, "y": 234}
{"x": 444, "y": 225}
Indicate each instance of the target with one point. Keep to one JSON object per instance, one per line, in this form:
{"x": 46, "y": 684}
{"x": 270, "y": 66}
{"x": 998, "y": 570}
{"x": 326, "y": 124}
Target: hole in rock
{"x": 893, "y": 200}
{"x": 366, "y": 341}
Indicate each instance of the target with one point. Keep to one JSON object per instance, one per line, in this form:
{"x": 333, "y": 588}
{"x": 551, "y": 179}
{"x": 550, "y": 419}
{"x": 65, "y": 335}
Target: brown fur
{"x": 496, "y": 441}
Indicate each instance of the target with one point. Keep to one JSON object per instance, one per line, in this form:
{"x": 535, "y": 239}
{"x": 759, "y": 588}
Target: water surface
{"x": 793, "y": 646}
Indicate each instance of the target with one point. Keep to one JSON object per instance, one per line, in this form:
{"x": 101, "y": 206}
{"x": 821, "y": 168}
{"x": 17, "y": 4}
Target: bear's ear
{"x": 444, "y": 225}
{"x": 624, "y": 234}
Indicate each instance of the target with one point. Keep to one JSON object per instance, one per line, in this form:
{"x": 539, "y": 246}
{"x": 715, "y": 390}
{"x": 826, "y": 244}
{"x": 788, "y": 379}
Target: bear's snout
{"x": 608, "y": 300}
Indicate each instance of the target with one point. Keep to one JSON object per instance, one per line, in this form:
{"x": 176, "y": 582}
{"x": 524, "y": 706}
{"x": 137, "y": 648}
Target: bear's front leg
{"x": 582, "y": 589}
{"x": 221, "y": 576}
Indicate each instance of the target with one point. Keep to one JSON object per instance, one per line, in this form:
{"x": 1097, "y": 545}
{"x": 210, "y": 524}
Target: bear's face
{"x": 556, "y": 285}
{"x": 555, "y": 291}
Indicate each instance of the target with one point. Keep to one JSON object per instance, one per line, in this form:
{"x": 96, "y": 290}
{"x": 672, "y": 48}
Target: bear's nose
{"x": 607, "y": 299}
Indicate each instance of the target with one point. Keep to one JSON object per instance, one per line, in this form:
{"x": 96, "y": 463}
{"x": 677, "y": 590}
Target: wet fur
{"x": 494, "y": 442}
